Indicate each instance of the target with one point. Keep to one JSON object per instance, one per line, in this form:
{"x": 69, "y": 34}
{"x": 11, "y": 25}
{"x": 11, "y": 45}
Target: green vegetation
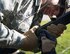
{"x": 63, "y": 42}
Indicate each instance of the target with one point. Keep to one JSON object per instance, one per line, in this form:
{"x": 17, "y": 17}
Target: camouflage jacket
{"x": 23, "y": 10}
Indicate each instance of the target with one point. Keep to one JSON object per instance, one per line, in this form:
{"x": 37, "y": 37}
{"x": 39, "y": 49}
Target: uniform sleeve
{"x": 10, "y": 38}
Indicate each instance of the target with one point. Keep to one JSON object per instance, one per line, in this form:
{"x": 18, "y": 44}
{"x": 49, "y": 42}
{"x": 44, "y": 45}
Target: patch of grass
{"x": 64, "y": 41}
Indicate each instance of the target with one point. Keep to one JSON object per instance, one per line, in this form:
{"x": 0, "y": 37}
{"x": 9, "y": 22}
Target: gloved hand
{"x": 56, "y": 30}
{"x": 48, "y": 37}
{"x": 31, "y": 40}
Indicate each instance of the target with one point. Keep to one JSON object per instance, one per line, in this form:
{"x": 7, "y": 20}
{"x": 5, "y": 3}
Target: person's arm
{"x": 10, "y": 38}
{"x": 13, "y": 39}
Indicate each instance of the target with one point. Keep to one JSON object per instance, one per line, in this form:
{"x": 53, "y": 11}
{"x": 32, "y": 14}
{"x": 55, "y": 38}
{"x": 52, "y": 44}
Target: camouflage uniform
{"x": 25, "y": 10}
